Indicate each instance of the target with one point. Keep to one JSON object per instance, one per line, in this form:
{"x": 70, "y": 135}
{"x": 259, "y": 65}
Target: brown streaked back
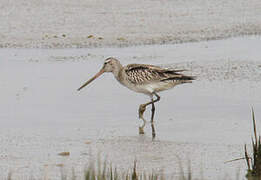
{"x": 145, "y": 74}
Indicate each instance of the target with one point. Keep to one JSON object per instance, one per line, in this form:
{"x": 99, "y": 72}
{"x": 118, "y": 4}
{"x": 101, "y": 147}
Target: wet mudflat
{"x": 207, "y": 122}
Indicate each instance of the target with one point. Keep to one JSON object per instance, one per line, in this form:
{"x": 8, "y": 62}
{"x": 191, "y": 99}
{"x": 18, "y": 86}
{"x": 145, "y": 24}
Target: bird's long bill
{"x": 90, "y": 80}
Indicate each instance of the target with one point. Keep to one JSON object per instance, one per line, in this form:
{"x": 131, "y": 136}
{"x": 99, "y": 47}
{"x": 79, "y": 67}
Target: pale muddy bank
{"x": 102, "y": 23}
{"x": 206, "y": 122}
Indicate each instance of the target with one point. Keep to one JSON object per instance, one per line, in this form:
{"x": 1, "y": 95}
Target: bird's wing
{"x": 131, "y": 67}
{"x": 142, "y": 74}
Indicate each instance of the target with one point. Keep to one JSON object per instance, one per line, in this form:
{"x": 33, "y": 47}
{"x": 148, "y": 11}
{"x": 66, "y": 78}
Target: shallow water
{"x": 206, "y": 122}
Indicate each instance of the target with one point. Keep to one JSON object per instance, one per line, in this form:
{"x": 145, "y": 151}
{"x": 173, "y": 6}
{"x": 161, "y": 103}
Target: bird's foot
{"x": 142, "y": 109}
{"x": 141, "y": 130}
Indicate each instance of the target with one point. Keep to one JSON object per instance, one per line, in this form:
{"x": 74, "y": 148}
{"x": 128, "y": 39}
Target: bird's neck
{"x": 117, "y": 71}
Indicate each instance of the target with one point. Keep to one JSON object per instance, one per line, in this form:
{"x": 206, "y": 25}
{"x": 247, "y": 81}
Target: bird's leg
{"x": 151, "y": 121}
{"x": 142, "y": 109}
{"x": 153, "y": 106}
{"x": 152, "y": 114}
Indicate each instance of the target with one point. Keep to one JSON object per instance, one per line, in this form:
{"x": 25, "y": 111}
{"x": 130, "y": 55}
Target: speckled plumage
{"x": 144, "y": 74}
{"x": 147, "y": 79}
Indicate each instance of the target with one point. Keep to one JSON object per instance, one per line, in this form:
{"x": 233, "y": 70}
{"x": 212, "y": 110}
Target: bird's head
{"x": 110, "y": 65}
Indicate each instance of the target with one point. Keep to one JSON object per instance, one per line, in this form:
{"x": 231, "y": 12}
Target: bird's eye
{"x": 106, "y": 62}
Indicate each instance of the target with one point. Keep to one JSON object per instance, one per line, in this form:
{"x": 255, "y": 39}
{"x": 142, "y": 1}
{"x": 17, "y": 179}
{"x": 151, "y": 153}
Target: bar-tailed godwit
{"x": 143, "y": 78}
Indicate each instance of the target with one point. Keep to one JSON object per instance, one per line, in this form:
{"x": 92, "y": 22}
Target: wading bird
{"x": 143, "y": 78}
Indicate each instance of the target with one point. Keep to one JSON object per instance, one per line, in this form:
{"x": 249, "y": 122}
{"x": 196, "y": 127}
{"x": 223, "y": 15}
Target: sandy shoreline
{"x": 101, "y": 23}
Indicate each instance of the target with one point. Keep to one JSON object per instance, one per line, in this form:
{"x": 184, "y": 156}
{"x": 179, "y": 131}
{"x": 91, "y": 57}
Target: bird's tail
{"x": 181, "y": 78}
{"x": 187, "y": 79}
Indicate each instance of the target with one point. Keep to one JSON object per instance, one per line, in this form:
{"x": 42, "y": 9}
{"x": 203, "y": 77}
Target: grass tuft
{"x": 112, "y": 173}
{"x": 254, "y": 162}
